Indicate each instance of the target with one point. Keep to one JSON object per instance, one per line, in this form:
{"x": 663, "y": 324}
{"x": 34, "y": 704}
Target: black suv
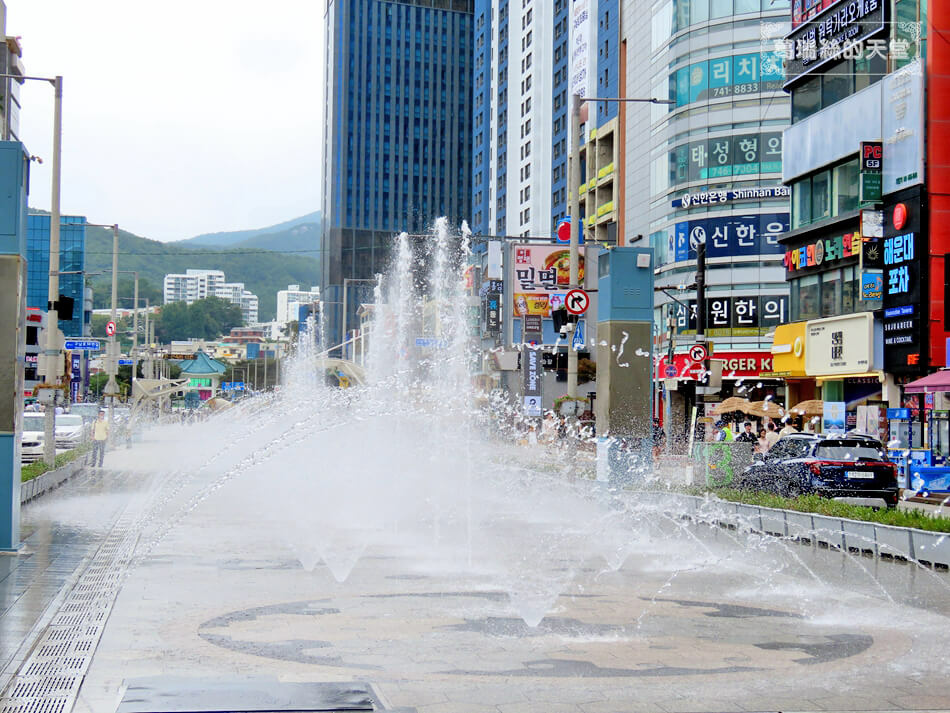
{"x": 834, "y": 466}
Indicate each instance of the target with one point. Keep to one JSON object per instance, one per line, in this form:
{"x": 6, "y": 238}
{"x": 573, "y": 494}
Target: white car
{"x": 31, "y": 442}
{"x": 70, "y": 431}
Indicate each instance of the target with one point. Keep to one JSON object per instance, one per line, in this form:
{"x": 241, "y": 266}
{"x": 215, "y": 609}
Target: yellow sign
{"x": 788, "y": 350}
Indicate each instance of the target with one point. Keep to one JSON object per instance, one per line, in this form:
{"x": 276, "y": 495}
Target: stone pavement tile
{"x": 620, "y": 705}
{"x": 540, "y": 708}
{"x": 457, "y": 707}
{"x": 576, "y": 692}
{"x": 486, "y": 693}
{"x": 411, "y": 698}
{"x": 921, "y": 701}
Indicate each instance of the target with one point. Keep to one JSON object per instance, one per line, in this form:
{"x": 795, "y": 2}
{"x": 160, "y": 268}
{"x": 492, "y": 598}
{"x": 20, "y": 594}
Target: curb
{"x": 855, "y": 537}
{"x": 50, "y": 480}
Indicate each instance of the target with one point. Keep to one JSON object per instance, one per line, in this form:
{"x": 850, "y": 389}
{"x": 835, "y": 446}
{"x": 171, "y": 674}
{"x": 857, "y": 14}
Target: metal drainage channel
{"x": 49, "y": 680}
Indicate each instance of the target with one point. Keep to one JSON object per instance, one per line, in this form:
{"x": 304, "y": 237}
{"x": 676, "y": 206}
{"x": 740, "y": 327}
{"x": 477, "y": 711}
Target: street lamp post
{"x": 573, "y": 188}
{"x": 112, "y": 360}
{"x": 345, "y": 320}
{"x": 52, "y": 355}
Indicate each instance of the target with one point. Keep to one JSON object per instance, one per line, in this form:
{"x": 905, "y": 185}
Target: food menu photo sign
{"x": 540, "y": 277}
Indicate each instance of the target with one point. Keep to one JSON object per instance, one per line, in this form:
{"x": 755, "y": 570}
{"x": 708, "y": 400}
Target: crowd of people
{"x": 762, "y": 438}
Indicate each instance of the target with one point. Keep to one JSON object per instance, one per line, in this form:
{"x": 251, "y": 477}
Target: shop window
{"x": 836, "y": 84}
{"x": 868, "y": 70}
{"x": 849, "y": 291}
{"x": 820, "y": 195}
{"x": 831, "y": 293}
{"x": 801, "y": 203}
{"x": 846, "y": 177}
{"x": 806, "y": 99}
{"x": 805, "y": 297}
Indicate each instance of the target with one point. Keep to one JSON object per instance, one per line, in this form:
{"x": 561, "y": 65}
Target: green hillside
{"x": 273, "y": 237}
{"x": 263, "y": 272}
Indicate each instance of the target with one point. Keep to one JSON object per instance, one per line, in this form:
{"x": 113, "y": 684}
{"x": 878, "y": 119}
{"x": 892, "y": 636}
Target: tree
{"x": 203, "y": 319}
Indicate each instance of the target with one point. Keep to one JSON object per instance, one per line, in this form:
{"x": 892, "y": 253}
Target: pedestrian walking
{"x": 762, "y": 445}
{"x": 100, "y": 434}
{"x": 771, "y": 436}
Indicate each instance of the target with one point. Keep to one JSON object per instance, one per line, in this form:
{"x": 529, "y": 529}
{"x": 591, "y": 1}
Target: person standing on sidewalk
{"x": 100, "y": 434}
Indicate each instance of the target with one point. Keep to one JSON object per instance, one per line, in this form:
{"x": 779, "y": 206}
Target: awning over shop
{"x": 788, "y": 350}
{"x": 930, "y": 384}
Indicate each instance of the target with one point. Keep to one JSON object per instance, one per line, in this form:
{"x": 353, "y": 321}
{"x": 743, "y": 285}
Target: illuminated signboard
{"x": 736, "y": 155}
{"x": 733, "y": 76}
{"x": 729, "y": 236}
{"x": 904, "y": 275}
{"x": 804, "y": 10}
{"x": 830, "y": 34}
{"x": 750, "y": 316}
{"x": 823, "y": 252}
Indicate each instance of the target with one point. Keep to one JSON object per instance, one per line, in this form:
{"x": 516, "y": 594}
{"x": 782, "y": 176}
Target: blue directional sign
{"x": 89, "y": 345}
{"x": 232, "y": 386}
{"x": 430, "y": 343}
{"x": 126, "y": 362}
{"x": 577, "y": 342}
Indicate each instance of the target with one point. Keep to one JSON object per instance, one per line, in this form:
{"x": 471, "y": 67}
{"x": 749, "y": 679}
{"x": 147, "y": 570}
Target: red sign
{"x": 110, "y": 328}
{"x": 564, "y": 231}
{"x": 734, "y": 365}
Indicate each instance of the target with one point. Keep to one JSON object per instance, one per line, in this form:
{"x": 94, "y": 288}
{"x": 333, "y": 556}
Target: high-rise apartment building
{"x": 708, "y": 168}
{"x": 397, "y": 132}
{"x": 530, "y": 56}
{"x": 290, "y": 300}
{"x": 195, "y": 285}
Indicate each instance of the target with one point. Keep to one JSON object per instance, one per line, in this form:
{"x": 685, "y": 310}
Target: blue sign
{"x": 899, "y": 311}
{"x": 91, "y": 345}
{"x": 730, "y": 236}
{"x": 670, "y": 371}
{"x": 577, "y": 343}
{"x": 126, "y": 362}
{"x": 898, "y": 413}
{"x": 430, "y": 343}
{"x": 232, "y": 386}
{"x": 872, "y": 286}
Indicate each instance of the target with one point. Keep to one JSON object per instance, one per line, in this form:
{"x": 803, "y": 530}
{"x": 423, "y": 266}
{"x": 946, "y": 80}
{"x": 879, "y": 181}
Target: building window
{"x": 821, "y": 196}
{"x": 805, "y": 297}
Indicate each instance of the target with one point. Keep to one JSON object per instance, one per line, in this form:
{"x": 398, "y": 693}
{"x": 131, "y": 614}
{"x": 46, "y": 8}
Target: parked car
{"x": 801, "y": 463}
{"x": 71, "y": 430}
{"x": 31, "y": 442}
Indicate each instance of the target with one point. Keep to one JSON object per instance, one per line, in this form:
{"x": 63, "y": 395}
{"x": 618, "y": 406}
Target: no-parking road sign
{"x": 577, "y": 301}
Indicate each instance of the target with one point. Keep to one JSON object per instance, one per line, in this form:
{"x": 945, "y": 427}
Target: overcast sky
{"x": 179, "y": 117}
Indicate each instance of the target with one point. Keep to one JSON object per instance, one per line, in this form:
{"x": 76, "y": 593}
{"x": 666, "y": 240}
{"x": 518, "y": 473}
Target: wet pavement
{"x": 695, "y": 620}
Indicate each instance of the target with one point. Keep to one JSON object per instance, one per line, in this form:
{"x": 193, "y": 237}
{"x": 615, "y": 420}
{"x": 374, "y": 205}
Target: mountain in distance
{"x": 298, "y": 234}
{"x": 262, "y": 271}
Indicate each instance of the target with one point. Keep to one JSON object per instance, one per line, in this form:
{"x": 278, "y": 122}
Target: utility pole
{"x": 135, "y": 330}
{"x": 53, "y": 354}
{"x": 701, "y": 321}
{"x": 573, "y": 194}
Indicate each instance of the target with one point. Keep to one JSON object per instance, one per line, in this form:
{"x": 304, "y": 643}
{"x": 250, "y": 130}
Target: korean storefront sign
{"x": 743, "y": 194}
{"x": 902, "y": 94}
{"x": 870, "y": 187}
{"x": 733, "y": 76}
{"x": 839, "y": 345}
{"x": 904, "y": 266}
{"x": 831, "y": 34}
{"x": 823, "y": 251}
{"x": 737, "y": 155}
{"x": 729, "y": 236}
{"x": 493, "y": 312}
{"x": 540, "y": 276}
{"x": 736, "y": 364}
{"x": 734, "y": 316}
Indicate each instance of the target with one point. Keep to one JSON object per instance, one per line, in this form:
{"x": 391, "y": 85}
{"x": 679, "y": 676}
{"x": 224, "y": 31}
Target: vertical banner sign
{"x": 834, "y": 417}
{"x": 493, "y": 316}
{"x": 872, "y": 177}
{"x": 75, "y": 374}
{"x": 531, "y": 366}
{"x": 533, "y": 329}
{"x": 493, "y": 267}
{"x": 580, "y": 44}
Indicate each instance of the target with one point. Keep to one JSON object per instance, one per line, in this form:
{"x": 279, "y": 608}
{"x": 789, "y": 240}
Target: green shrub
{"x": 818, "y": 505}
{"x": 33, "y": 470}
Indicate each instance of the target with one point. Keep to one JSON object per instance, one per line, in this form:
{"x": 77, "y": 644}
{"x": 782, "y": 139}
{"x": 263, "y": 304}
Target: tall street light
{"x": 573, "y": 188}
{"x": 52, "y": 355}
{"x": 112, "y": 360}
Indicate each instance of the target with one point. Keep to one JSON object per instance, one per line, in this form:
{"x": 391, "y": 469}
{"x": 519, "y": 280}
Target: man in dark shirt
{"x": 747, "y": 436}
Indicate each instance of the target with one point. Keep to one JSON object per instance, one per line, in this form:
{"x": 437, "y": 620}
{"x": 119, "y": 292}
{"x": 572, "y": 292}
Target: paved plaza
{"x": 205, "y": 582}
